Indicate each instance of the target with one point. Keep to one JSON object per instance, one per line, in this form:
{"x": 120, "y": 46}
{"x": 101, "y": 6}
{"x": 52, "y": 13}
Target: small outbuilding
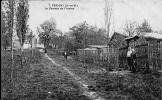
{"x": 117, "y": 45}
{"x": 148, "y": 50}
{"x": 117, "y": 40}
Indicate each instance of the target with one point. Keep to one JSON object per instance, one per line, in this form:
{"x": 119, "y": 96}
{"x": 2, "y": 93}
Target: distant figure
{"x": 45, "y": 50}
{"x": 130, "y": 59}
{"x": 65, "y": 55}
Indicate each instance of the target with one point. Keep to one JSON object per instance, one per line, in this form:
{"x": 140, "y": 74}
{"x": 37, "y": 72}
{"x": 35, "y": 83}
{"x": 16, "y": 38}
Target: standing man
{"x": 129, "y": 58}
{"x": 134, "y": 66}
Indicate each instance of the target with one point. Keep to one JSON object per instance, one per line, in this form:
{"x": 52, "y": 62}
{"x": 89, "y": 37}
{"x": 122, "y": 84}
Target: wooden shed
{"x": 117, "y": 40}
{"x": 148, "y": 50}
{"x": 116, "y": 43}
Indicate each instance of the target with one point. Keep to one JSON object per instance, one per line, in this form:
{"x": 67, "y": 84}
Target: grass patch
{"x": 37, "y": 79}
{"x": 116, "y": 87}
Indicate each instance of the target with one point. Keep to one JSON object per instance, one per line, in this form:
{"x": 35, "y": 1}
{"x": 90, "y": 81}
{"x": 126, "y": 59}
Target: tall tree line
{"x": 14, "y": 13}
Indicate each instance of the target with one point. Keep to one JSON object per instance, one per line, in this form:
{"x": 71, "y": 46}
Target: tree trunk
{"x": 11, "y": 2}
{"x": 21, "y": 49}
{"x": 21, "y": 56}
{"x": 45, "y": 47}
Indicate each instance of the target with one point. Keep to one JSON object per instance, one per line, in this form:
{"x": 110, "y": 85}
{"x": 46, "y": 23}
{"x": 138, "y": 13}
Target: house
{"x": 117, "y": 40}
{"x": 148, "y": 50}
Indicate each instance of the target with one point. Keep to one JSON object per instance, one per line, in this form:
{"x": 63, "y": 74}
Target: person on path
{"x": 65, "y": 55}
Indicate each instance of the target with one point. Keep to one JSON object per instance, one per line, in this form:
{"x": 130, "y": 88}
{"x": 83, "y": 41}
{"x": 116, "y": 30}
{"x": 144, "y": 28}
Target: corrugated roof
{"x": 152, "y": 35}
{"x": 147, "y": 35}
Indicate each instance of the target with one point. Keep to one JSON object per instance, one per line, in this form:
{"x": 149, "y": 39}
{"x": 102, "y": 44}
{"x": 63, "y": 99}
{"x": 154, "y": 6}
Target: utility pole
{"x": 108, "y": 15}
{"x": 11, "y": 6}
{"x": 85, "y": 34}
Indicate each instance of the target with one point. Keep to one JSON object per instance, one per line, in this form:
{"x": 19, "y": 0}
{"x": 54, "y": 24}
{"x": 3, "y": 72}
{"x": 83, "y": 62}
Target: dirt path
{"x": 83, "y": 85}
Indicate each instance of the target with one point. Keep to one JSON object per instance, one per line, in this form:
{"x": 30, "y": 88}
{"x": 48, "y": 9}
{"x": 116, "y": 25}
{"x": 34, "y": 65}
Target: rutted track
{"x": 83, "y": 85}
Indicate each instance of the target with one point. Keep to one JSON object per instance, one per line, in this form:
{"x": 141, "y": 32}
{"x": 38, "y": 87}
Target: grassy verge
{"x": 37, "y": 79}
{"x": 116, "y": 86}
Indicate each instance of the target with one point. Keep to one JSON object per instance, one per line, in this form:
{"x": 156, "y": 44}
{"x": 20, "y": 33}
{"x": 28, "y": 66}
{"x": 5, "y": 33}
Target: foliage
{"x": 47, "y": 27}
{"x": 22, "y": 17}
{"x": 84, "y": 35}
{"x": 57, "y": 40}
{"x": 70, "y": 45}
{"x": 7, "y": 12}
{"x": 79, "y": 32}
{"x": 48, "y": 34}
{"x": 96, "y": 36}
{"x": 5, "y": 37}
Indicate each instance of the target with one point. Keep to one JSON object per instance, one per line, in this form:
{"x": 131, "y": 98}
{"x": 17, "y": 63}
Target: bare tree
{"x": 108, "y": 16}
{"x": 144, "y": 27}
{"x": 131, "y": 28}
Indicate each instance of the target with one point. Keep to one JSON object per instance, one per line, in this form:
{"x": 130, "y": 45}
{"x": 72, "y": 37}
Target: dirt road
{"x": 82, "y": 84}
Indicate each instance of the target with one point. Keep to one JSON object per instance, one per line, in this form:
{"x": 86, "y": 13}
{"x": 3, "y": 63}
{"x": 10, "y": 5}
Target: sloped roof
{"x": 132, "y": 37}
{"x": 152, "y": 35}
{"x": 117, "y": 40}
{"x": 147, "y": 35}
{"x": 118, "y": 34}
{"x": 124, "y": 35}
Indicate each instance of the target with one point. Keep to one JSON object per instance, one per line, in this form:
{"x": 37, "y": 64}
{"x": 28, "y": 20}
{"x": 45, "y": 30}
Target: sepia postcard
{"x": 81, "y": 50}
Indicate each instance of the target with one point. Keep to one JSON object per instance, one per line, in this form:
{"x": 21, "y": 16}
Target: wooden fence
{"x": 147, "y": 56}
{"x": 104, "y": 57}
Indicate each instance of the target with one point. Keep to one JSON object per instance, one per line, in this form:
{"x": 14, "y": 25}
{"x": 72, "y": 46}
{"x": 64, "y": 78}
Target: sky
{"x": 92, "y": 11}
